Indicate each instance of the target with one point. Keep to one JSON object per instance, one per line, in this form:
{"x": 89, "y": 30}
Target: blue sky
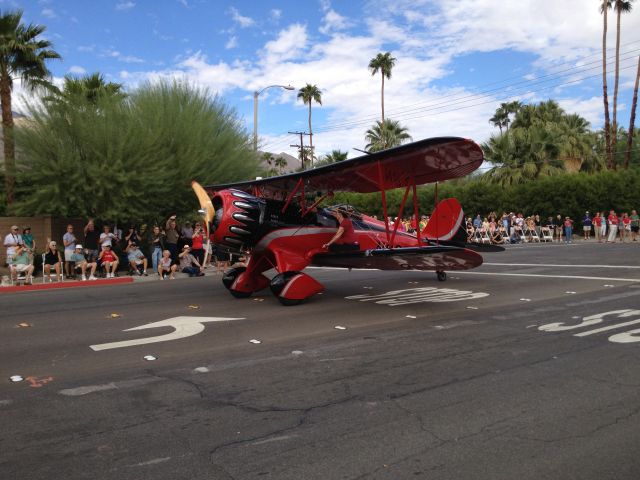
{"x": 456, "y": 61}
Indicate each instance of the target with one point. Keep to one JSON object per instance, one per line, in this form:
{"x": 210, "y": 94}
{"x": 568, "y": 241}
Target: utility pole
{"x": 303, "y": 156}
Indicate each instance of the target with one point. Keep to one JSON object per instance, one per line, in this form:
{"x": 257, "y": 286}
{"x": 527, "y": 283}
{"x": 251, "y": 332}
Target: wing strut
{"x": 399, "y": 217}
{"x": 382, "y": 187}
{"x": 416, "y": 211}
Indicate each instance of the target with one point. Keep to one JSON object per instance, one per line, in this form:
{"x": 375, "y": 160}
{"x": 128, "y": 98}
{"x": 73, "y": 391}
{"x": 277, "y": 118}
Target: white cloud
{"x": 231, "y": 43}
{"x": 244, "y": 22}
{"x": 77, "y": 70}
{"x": 333, "y": 21}
{"x": 287, "y": 46}
{"x": 48, "y": 12}
{"x": 126, "y": 5}
{"x": 184, "y": 3}
{"x": 86, "y": 48}
{"x": 275, "y": 14}
{"x": 122, "y": 58}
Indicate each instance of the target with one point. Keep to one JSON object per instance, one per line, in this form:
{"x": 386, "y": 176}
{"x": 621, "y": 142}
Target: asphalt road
{"x": 510, "y": 371}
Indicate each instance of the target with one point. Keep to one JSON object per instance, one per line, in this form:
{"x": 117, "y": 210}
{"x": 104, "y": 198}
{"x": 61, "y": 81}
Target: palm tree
{"x": 387, "y": 134}
{"x": 384, "y": 63}
{"x": 500, "y": 119}
{"x": 91, "y": 87}
{"x": 308, "y": 94}
{"x": 604, "y": 7}
{"x": 334, "y": 157}
{"x": 22, "y": 55}
{"x": 621, "y": 6}
{"x": 575, "y": 142}
{"x": 632, "y": 118}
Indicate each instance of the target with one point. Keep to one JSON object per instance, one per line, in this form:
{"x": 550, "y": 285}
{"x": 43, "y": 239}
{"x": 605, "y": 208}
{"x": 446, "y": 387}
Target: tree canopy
{"x": 387, "y": 134}
{"x": 129, "y": 158}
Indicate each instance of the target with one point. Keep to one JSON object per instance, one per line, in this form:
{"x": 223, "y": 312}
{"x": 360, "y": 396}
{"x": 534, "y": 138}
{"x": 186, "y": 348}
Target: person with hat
{"x": 108, "y": 260}
{"x": 345, "y": 238}
{"x": 81, "y": 263}
{"x": 587, "y": 223}
{"x": 11, "y": 241}
{"x": 189, "y": 264}
{"x": 52, "y": 258}
{"x": 27, "y": 238}
{"x": 137, "y": 260}
{"x": 21, "y": 263}
{"x": 568, "y": 229}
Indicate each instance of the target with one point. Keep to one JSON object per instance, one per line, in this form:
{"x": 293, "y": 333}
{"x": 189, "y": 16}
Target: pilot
{"x": 345, "y": 239}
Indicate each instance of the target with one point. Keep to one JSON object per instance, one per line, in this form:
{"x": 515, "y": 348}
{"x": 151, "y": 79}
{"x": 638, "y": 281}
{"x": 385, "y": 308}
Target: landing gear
{"x": 442, "y": 276}
{"x": 291, "y": 288}
{"x": 229, "y": 279}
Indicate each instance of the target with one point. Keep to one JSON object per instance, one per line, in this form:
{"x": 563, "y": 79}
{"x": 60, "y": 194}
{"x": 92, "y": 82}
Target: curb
{"x": 72, "y": 284}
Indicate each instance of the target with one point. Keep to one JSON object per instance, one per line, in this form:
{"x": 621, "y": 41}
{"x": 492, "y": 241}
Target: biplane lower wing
{"x": 432, "y": 258}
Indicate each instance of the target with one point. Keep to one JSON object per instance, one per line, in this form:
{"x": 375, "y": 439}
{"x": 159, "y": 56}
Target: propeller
{"x": 206, "y": 207}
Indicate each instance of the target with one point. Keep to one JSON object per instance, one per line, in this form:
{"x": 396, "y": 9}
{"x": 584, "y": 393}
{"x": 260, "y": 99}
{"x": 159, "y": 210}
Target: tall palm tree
{"x": 24, "y": 56}
{"x": 387, "y": 134}
{"x": 334, "y": 157}
{"x": 308, "y": 94}
{"x": 620, "y": 6}
{"x": 90, "y": 87}
{"x": 384, "y": 63}
{"x": 500, "y": 119}
{"x": 604, "y": 8}
{"x": 632, "y": 118}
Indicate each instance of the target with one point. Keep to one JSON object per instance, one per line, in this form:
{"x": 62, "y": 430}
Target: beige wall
{"x": 43, "y": 227}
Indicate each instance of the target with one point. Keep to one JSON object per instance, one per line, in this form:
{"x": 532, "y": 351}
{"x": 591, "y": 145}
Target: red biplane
{"x": 278, "y": 221}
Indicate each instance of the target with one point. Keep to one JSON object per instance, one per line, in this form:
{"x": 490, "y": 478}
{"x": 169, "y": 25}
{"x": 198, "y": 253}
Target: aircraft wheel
{"x": 278, "y": 283}
{"x": 229, "y": 277}
{"x": 442, "y": 276}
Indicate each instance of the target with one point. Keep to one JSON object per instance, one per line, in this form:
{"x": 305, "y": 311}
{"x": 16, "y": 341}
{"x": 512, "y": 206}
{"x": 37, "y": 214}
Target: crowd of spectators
{"x": 90, "y": 254}
{"x": 603, "y": 227}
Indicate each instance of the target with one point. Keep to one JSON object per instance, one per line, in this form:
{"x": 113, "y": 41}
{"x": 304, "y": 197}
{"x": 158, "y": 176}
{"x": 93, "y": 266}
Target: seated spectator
{"x": 108, "y": 260}
{"x": 189, "y": 264}
{"x": 52, "y": 258}
{"x": 81, "y": 263}
{"x": 106, "y": 237}
{"x": 137, "y": 260}
{"x": 21, "y": 263}
{"x": 515, "y": 236}
{"x": 166, "y": 266}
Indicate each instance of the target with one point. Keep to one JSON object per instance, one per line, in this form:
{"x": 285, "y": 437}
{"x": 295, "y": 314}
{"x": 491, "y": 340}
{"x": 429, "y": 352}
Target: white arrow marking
{"x": 184, "y": 327}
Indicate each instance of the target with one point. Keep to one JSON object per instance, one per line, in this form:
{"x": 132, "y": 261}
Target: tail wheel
{"x": 229, "y": 278}
{"x": 442, "y": 276}
{"x": 278, "y": 283}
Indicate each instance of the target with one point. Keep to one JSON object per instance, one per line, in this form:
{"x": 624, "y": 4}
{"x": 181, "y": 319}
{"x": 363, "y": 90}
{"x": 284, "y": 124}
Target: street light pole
{"x": 255, "y": 111}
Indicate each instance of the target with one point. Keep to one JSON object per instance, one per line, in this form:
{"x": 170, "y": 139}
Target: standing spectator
{"x": 52, "y": 258}
{"x": 69, "y": 241}
{"x": 187, "y": 233}
{"x": 603, "y": 228}
{"x": 157, "y": 246}
{"x": 136, "y": 259}
{"x": 568, "y": 229}
{"x": 80, "y": 262}
{"x": 597, "y": 226}
{"x": 189, "y": 264}
{"x": 586, "y": 225}
{"x": 91, "y": 241}
{"x": 21, "y": 263}
{"x": 172, "y": 237}
{"x": 612, "y": 221}
{"x": 108, "y": 260}
{"x": 506, "y": 222}
{"x": 11, "y": 241}
{"x": 28, "y": 240}
{"x": 635, "y": 225}
{"x": 197, "y": 243}
{"x": 132, "y": 236}
{"x": 166, "y": 266}
{"x": 107, "y": 238}
{"x": 559, "y": 227}
{"x": 477, "y": 222}
{"x": 625, "y": 227}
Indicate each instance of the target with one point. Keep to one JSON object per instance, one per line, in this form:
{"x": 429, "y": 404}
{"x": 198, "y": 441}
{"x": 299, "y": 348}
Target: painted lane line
{"x": 86, "y": 389}
{"x": 537, "y": 275}
{"x": 340, "y": 327}
{"x": 607, "y": 328}
{"x": 588, "y": 321}
{"x": 255, "y": 341}
{"x": 411, "y": 316}
{"x": 558, "y": 265}
{"x": 5, "y": 403}
{"x": 201, "y": 370}
{"x": 183, "y": 327}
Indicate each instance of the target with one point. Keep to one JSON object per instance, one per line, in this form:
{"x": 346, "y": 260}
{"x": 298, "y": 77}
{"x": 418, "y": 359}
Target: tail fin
{"x": 446, "y": 222}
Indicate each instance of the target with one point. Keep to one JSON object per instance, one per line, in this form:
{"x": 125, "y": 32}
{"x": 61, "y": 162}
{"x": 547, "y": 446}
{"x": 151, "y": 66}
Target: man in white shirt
{"x": 11, "y": 241}
{"x": 106, "y": 237}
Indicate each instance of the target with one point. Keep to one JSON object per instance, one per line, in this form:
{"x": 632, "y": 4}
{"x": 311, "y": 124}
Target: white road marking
{"x": 151, "y": 462}
{"x": 418, "y": 295}
{"x": 587, "y": 321}
{"x": 577, "y": 277}
{"x": 626, "y": 337}
{"x": 201, "y": 370}
{"x": 558, "y": 265}
{"x": 5, "y": 403}
{"x": 255, "y": 341}
{"x": 84, "y": 390}
{"x": 183, "y": 327}
{"x": 607, "y": 328}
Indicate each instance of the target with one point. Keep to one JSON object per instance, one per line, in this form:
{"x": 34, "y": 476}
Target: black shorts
{"x": 635, "y": 228}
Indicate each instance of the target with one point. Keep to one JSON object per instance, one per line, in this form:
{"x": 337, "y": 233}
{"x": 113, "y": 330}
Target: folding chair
{"x": 484, "y": 236}
{"x": 518, "y": 230}
{"x": 547, "y": 234}
{"x": 533, "y": 235}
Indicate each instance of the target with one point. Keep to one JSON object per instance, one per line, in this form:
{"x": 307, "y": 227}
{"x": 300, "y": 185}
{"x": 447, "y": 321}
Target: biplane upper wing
{"x": 417, "y": 163}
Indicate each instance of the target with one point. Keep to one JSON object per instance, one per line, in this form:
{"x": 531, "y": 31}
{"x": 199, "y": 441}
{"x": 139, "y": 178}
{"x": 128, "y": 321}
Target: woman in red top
{"x": 197, "y": 249}
{"x": 108, "y": 259}
{"x": 625, "y": 228}
{"x": 597, "y": 223}
{"x": 345, "y": 238}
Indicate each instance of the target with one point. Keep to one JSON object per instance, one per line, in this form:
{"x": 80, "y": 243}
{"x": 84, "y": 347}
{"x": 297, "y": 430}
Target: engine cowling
{"x": 238, "y": 219}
